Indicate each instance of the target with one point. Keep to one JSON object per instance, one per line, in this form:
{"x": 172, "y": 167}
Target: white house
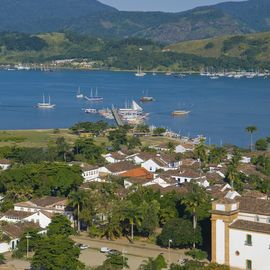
{"x": 183, "y": 148}
{"x": 241, "y": 233}
{"x": 5, "y": 164}
{"x": 117, "y": 168}
{"x": 42, "y": 218}
{"x": 12, "y": 232}
{"x": 90, "y": 173}
{"x": 161, "y": 162}
{"x": 115, "y": 157}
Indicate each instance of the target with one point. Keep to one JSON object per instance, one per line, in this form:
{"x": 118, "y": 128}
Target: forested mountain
{"x": 92, "y": 17}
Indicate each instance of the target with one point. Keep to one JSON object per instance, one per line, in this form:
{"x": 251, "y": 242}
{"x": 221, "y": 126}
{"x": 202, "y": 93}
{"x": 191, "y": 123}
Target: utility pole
{"x": 27, "y": 244}
{"x": 170, "y": 241}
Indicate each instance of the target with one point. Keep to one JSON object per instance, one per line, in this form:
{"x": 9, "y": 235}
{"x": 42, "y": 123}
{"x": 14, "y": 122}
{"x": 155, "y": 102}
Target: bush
{"x": 261, "y": 145}
{"x": 197, "y": 254}
{"x": 209, "y": 45}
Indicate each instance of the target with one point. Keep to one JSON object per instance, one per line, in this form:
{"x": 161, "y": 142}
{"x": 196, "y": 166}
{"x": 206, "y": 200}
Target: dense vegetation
{"x": 247, "y": 48}
{"x": 240, "y": 52}
{"x": 92, "y": 17}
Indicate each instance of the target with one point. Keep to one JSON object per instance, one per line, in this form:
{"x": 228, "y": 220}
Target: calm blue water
{"x": 220, "y": 109}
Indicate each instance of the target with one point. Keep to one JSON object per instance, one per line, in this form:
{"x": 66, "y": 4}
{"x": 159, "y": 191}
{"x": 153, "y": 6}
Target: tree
{"x": 131, "y": 214}
{"x": 158, "y": 263}
{"x": 57, "y": 253}
{"x": 261, "y": 144}
{"x": 171, "y": 147}
{"x": 232, "y": 173}
{"x": 62, "y": 147}
{"x": 111, "y": 229}
{"x": 159, "y": 131}
{"x": 116, "y": 261}
{"x": 149, "y": 217}
{"x": 201, "y": 153}
{"x": 89, "y": 151}
{"x": 195, "y": 200}
{"x": 118, "y": 137}
{"x": 60, "y": 225}
{"x": 181, "y": 232}
{"x": 251, "y": 130}
{"x": 134, "y": 142}
{"x": 77, "y": 200}
{"x": 33, "y": 243}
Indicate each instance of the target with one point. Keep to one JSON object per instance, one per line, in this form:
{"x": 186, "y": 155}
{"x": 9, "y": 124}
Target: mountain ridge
{"x": 99, "y": 20}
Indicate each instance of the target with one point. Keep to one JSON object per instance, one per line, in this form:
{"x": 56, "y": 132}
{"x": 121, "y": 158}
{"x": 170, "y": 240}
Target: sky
{"x": 160, "y": 5}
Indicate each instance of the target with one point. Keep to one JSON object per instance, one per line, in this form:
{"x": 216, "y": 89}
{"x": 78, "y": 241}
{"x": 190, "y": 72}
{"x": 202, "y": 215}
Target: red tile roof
{"x": 138, "y": 172}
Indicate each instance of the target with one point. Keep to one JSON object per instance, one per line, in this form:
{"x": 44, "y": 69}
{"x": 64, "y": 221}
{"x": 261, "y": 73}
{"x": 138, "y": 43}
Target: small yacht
{"x": 180, "y": 113}
{"x": 45, "y": 105}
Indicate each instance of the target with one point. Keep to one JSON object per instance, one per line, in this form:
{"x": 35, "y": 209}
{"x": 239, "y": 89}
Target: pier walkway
{"x": 117, "y": 118}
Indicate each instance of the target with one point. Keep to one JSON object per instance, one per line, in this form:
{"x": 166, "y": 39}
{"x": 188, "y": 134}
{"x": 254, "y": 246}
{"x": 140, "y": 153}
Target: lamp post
{"x": 27, "y": 245}
{"x": 123, "y": 258}
{"x": 170, "y": 241}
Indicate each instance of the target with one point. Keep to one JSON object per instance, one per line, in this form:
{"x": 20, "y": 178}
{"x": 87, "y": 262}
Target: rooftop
{"x": 120, "y": 166}
{"x": 138, "y": 172}
{"x": 254, "y": 206}
{"x": 251, "y": 226}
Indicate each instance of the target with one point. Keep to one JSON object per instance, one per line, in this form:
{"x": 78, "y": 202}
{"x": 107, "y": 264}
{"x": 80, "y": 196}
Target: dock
{"x": 117, "y": 118}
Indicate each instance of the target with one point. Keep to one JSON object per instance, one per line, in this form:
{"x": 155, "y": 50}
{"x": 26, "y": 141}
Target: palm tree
{"x": 111, "y": 229}
{"x": 132, "y": 214}
{"x": 251, "y": 130}
{"x": 195, "y": 198}
{"x": 77, "y": 201}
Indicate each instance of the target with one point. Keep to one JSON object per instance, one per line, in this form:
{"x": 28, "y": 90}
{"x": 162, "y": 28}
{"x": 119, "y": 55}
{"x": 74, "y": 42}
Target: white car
{"x": 105, "y": 250}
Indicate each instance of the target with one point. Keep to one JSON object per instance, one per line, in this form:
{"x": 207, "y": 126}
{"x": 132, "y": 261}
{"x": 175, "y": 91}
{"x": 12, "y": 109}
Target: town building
{"x": 241, "y": 233}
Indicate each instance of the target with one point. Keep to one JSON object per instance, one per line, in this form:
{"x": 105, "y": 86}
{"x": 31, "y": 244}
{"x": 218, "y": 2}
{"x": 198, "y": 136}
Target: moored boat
{"x": 94, "y": 98}
{"x": 180, "y": 113}
{"x": 45, "y": 105}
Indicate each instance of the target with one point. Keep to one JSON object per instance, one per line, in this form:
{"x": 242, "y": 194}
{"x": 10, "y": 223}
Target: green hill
{"x": 234, "y": 52}
{"x": 99, "y": 20}
{"x": 252, "y": 46}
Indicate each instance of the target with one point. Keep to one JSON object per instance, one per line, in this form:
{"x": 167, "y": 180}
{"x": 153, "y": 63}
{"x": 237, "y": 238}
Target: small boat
{"x": 94, "y": 98}
{"x": 214, "y": 77}
{"x": 79, "y": 94}
{"x": 92, "y": 111}
{"x": 139, "y": 72}
{"x": 45, "y": 105}
{"x": 146, "y": 98}
{"x": 180, "y": 113}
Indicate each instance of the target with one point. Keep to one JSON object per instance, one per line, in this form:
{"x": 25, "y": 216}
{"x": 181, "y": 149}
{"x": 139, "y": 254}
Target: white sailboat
{"x": 139, "y": 72}
{"x": 45, "y": 105}
{"x": 79, "y": 94}
{"x": 94, "y": 98}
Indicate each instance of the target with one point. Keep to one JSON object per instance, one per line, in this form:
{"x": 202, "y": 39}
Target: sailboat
{"x": 79, "y": 94}
{"x": 146, "y": 98}
{"x": 139, "y": 72}
{"x": 94, "y": 98}
{"x": 45, "y": 105}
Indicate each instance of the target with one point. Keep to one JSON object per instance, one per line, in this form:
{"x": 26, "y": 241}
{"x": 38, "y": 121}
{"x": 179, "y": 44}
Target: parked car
{"x": 105, "y": 250}
{"x": 114, "y": 252}
{"x": 83, "y": 246}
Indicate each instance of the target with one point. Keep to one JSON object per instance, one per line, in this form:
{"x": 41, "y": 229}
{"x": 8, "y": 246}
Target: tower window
{"x": 248, "y": 265}
{"x": 248, "y": 240}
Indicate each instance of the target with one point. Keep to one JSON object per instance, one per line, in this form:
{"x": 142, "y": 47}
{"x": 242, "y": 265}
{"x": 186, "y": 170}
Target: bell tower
{"x": 223, "y": 213}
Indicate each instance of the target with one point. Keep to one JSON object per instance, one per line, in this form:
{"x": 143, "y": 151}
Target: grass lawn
{"x": 34, "y": 138}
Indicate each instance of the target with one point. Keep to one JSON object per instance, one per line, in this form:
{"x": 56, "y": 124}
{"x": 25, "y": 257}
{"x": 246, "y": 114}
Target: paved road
{"x": 136, "y": 252}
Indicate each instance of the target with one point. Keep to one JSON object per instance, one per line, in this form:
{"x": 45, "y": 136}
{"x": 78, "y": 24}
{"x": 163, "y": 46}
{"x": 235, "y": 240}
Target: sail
{"x": 136, "y": 107}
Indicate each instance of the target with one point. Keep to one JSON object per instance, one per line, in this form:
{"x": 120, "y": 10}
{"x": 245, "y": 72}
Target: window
{"x": 257, "y": 219}
{"x": 248, "y": 240}
{"x": 248, "y": 265}
{"x": 268, "y": 220}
